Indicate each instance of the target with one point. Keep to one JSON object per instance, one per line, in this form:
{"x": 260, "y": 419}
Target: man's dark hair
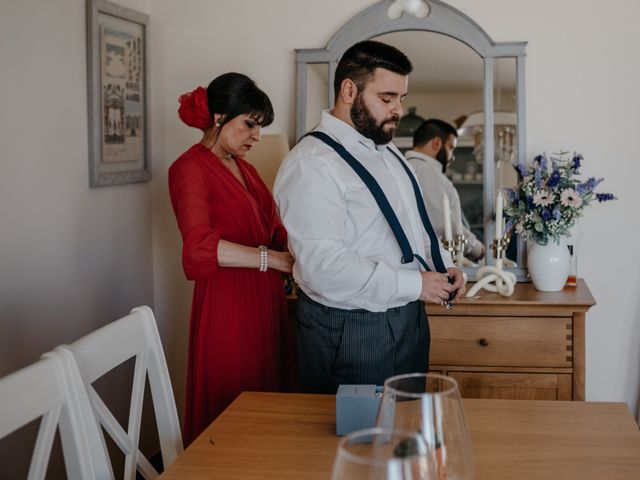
{"x": 432, "y": 128}
{"x": 233, "y": 94}
{"x": 360, "y": 60}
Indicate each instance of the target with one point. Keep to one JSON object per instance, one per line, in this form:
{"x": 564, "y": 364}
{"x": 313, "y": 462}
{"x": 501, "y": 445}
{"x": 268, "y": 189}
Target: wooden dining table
{"x": 292, "y": 436}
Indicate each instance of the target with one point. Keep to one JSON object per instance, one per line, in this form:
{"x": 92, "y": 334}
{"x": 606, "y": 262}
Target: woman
{"x": 234, "y": 247}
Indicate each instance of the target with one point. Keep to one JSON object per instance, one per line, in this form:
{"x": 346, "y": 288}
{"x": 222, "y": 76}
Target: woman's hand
{"x": 281, "y": 261}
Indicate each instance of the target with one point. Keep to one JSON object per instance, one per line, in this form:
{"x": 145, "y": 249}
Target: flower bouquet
{"x": 546, "y": 203}
{"x": 550, "y": 197}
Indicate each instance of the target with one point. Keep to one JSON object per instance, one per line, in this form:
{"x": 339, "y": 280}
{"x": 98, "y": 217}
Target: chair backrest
{"x": 53, "y": 390}
{"x": 135, "y": 335}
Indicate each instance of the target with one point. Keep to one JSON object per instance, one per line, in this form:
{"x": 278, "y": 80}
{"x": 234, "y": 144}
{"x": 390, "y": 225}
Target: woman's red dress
{"x": 238, "y": 313}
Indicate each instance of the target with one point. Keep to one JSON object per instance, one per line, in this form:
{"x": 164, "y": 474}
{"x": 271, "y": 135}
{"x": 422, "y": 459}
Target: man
{"x": 360, "y": 313}
{"x": 433, "y": 144}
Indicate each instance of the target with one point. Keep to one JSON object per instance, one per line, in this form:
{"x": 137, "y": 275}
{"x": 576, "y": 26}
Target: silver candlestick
{"x": 449, "y": 246}
{"x": 459, "y": 244}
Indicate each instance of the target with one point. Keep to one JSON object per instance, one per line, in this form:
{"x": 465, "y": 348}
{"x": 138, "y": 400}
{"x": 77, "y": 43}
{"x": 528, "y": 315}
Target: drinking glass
{"x": 430, "y": 404}
{"x": 383, "y": 454}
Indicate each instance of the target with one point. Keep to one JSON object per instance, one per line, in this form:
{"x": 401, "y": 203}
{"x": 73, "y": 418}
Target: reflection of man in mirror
{"x": 361, "y": 317}
{"x": 433, "y": 144}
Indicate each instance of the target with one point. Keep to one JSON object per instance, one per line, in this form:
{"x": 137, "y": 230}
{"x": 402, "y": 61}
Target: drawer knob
{"x": 483, "y": 342}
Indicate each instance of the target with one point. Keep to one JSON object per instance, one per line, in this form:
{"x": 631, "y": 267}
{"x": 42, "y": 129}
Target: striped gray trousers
{"x": 337, "y": 346}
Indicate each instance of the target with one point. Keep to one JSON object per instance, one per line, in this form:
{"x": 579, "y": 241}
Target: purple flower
{"x": 605, "y": 197}
{"x": 541, "y": 160}
{"x": 546, "y": 214}
{"x": 575, "y": 162}
{"x": 556, "y": 214}
{"x": 588, "y": 186}
{"x": 554, "y": 179}
{"x": 537, "y": 176}
{"x": 508, "y": 225}
{"x": 530, "y": 204}
{"x": 522, "y": 170}
{"x": 512, "y": 195}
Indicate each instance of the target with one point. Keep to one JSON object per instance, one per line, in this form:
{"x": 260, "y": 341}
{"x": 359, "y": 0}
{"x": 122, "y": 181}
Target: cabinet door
{"x": 514, "y": 386}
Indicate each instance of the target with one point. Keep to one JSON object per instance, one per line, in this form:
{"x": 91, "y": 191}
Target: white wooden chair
{"x": 52, "y": 389}
{"x": 135, "y": 335}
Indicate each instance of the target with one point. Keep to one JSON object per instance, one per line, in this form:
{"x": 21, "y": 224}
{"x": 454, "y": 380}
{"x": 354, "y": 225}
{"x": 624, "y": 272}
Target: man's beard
{"x": 442, "y": 158}
{"x": 368, "y": 126}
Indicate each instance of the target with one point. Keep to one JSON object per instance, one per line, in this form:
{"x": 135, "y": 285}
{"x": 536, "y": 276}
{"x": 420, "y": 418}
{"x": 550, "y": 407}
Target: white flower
{"x": 543, "y": 198}
{"x": 570, "y": 198}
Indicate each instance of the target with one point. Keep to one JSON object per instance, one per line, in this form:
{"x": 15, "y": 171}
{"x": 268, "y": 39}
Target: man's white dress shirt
{"x": 435, "y": 185}
{"x": 346, "y": 255}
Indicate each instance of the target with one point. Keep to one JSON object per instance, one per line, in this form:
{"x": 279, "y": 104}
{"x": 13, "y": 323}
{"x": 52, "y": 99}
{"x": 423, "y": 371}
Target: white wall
{"x": 582, "y": 67}
{"x": 71, "y": 258}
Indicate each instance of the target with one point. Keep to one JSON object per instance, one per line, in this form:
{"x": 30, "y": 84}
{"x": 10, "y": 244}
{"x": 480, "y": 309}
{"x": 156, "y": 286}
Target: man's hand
{"x": 458, "y": 282}
{"x": 436, "y": 287}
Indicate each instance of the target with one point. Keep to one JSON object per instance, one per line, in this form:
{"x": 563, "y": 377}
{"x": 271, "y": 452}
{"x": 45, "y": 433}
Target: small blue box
{"x": 356, "y": 407}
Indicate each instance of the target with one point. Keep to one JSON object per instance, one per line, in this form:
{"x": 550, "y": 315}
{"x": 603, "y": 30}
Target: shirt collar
{"x": 346, "y": 134}
{"x": 424, "y": 157}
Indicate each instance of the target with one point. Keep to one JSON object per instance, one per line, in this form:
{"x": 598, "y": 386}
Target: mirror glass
{"x": 447, "y": 83}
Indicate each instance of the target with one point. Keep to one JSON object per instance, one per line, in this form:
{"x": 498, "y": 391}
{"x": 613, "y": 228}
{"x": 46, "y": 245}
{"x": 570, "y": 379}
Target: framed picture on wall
{"x": 118, "y": 94}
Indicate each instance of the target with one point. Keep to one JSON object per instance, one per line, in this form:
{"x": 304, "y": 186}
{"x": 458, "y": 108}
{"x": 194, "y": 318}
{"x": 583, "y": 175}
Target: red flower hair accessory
{"x": 194, "y": 109}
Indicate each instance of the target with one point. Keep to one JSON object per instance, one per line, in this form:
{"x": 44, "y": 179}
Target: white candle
{"x": 460, "y": 252}
{"x": 447, "y": 217}
{"x": 460, "y": 257}
{"x": 499, "y": 204}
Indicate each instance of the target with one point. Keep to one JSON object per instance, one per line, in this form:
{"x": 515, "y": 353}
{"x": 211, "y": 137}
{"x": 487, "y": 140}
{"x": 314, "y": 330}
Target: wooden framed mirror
{"x": 475, "y": 78}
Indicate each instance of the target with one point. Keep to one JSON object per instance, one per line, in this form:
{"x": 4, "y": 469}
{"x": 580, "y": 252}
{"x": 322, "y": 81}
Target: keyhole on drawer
{"x": 483, "y": 342}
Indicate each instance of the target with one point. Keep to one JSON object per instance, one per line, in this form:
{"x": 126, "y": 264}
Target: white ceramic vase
{"x": 548, "y": 264}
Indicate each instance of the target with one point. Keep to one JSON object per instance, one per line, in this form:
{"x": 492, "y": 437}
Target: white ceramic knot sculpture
{"x": 494, "y": 278}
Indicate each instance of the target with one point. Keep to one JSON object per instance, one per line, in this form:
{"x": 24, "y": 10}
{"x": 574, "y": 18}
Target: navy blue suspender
{"x": 407, "y": 252}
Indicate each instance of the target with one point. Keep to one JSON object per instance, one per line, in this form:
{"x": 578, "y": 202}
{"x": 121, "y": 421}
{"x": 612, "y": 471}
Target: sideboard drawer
{"x": 501, "y": 341}
{"x": 518, "y": 386}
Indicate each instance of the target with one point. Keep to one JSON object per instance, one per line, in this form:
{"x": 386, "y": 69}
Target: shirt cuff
{"x": 409, "y": 284}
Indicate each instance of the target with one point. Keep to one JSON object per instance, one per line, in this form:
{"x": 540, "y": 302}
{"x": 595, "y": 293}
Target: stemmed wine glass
{"x": 383, "y": 454}
{"x": 430, "y": 404}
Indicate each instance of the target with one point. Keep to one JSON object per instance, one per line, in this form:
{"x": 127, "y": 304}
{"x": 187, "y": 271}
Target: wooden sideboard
{"x": 529, "y": 346}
